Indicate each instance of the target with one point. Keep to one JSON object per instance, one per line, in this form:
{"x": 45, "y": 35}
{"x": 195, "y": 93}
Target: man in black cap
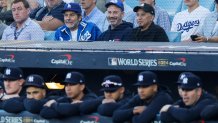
{"x": 143, "y": 107}
{"x": 118, "y": 29}
{"x": 147, "y": 30}
{"x": 35, "y": 92}
{"x": 194, "y": 99}
{"x": 114, "y": 97}
{"x": 13, "y": 82}
{"x": 76, "y": 92}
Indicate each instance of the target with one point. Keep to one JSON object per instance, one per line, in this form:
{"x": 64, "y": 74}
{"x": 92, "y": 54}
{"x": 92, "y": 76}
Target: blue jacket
{"x": 86, "y": 32}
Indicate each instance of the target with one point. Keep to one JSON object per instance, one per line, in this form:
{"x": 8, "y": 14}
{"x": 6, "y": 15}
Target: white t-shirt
{"x": 74, "y": 35}
{"x": 189, "y": 23}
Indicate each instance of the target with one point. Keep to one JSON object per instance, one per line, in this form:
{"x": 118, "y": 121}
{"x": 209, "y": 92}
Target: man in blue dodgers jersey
{"x": 76, "y": 92}
{"x": 189, "y": 21}
{"x": 118, "y": 29}
{"x": 194, "y": 99}
{"x": 114, "y": 97}
{"x": 144, "y": 107}
{"x": 75, "y": 29}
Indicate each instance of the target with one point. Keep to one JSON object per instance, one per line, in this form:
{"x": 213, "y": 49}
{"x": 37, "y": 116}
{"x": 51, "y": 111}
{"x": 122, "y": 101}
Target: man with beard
{"x": 143, "y": 107}
{"x": 193, "y": 101}
{"x": 118, "y": 28}
{"x": 75, "y": 29}
{"x": 76, "y": 92}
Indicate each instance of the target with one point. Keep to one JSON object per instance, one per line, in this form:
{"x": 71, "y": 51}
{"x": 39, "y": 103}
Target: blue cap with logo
{"x": 146, "y": 8}
{"x": 189, "y": 81}
{"x": 146, "y": 78}
{"x": 117, "y": 3}
{"x": 35, "y": 81}
{"x": 111, "y": 83}
{"x": 12, "y": 74}
{"x": 75, "y": 7}
{"x": 74, "y": 78}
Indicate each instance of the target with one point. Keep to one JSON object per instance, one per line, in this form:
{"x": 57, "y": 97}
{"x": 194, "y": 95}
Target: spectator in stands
{"x": 23, "y": 28}
{"x": 194, "y": 99}
{"x": 2, "y": 28}
{"x": 118, "y": 28}
{"x": 34, "y": 8}
{"x": 6, "y": 13}
{"x": 93, "y": 14}
{"x": 129, "y": 15}
{"x": 147, "y": 30}
{"x": 143, "y": 107}
{"x": 13, "y": 83}
{"x": 76, "y": 92}
{"x": 114, "y": 97}
{"x": 51, "y": 17}
{"x": 209, "y": 31}
{"x": 161, "y": 16}
{"x": 75, "y": 29}
{"x": 189, "y": 21}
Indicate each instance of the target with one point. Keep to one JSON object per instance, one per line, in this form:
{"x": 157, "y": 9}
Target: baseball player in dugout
{"x": 193, "y": 101}
{"x": 144, "y": 107}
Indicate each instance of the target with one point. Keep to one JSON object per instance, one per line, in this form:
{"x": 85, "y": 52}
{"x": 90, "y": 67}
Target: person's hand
{"x": 138, "y": 109}
{"x": 165, "y": 108}
{"x": 49, "y": 103}
{"x": 6, "y": 97}
{"x": 201, "y": 39}
{"x": 76, "y": 101}
{"x": 108, "y": 101}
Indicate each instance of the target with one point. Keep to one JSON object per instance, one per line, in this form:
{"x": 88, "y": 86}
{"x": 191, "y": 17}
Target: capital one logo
{"x": 93, "y": 119}
{"x": 65, "y": 59}
{"x": 8, "y": 59}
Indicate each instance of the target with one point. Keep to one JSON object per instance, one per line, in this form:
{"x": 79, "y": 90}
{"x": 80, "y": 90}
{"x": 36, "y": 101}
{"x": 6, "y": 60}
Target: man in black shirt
{"x": 143, "y": 107}
{"x": 147, "y": 30}
{"x": 194, "y": 99}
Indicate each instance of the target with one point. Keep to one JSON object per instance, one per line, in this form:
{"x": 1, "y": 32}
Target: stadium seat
{"x": 174, "y": 36}
{"x": 209, "y": 4}
{"x": 49, "y": 35}
{"x": 171, "y": 6}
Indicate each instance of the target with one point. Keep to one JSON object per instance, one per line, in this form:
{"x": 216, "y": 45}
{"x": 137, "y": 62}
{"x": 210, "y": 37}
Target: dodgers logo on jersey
{"x": 187, "y": 25}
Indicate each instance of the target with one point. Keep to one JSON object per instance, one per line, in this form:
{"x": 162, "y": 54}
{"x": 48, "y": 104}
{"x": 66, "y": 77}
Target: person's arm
{"x": 50, "y": 23}
{"x": 153, "y": 108}
{"x": 210, "y": 112}
{"x": 33, "y": 106}
{"x": 90, "y": 106}
{"x": 37, "y": 33}
{"x": 13, "y": 105}
{"x": 185, "y": 115}
{"x": 207, "y": 39}
{"x": 125, "y": 112}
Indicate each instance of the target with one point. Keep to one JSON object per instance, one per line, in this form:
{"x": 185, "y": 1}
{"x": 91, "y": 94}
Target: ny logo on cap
{"x": 182, "y": 76}
{"x": 68, "y": 6}
{"x": 68, "y": 76}
{"x": 185, "y": 80}
{"x": 30, "y": 79}
{"x": 8, "y": 71}
{"x": 114, "y": 1}
{"x": 107, "y": 83}
{"x": 80, "y": 80}
{"x": 140, "y": 78}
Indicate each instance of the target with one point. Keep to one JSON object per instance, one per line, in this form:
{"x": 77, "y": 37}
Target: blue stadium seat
{"x": 49, "y": 35}
{"x": 209, "y": 4}
{"x": 171, "y": 6}
{"x": 174, "y": 36}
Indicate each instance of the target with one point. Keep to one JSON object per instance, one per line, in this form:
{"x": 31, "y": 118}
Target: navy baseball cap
{"x": 117, "y": 3}
{"x": 111, "y": 83}
{"x": 189, "y": 81}
{"x": 75, "y": 7}
{"x": 146, "y": 8}
{"x": 12, "y": 74}
{"x": 146, "y": 78}
{"x": 74, "y": 78}
{"x": 35, "y": 81}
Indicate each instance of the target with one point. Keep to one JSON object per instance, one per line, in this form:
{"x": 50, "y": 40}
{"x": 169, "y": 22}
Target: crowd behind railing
{"x": 153, "y": 100}
{"x": 83, "y": 21}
